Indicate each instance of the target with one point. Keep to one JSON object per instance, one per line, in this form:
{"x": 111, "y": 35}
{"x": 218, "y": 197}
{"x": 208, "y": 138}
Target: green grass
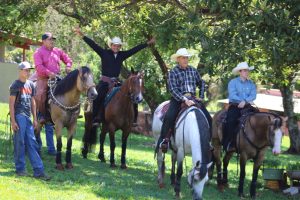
{"x": 91, "y": 179}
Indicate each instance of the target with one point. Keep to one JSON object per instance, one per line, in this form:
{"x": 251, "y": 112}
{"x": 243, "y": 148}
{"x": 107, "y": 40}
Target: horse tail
{"x": 90, "y": 132}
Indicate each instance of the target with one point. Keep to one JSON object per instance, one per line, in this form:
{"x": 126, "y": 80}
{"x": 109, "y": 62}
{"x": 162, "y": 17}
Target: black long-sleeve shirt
{"x": 111, "y": 65}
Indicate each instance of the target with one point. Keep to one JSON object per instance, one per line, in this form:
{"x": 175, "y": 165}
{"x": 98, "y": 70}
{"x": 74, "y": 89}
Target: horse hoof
{"x": 59, "y": 167}
{"x": 226, "y": 185}
{"x": 177, "y": 195}
{"x": 101, "y": 158}
{"x": 161, "y": 185}
{"x": 69, "y": 166}
{"x": 242, "y": 196}
{"x": 113, "y": 165}
{"x": 123, "y": 166}
{"x": 221, "y": 188}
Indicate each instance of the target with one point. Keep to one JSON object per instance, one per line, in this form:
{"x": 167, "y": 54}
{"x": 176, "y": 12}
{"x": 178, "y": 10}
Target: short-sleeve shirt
{"x": 23, "y": 91}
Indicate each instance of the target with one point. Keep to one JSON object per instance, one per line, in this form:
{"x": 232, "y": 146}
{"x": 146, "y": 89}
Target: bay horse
{"x": 65, "y": 107}
{"x": 257, "y": 132}
{"x": 192, "y": 135}
{"x": 119, "y": 114}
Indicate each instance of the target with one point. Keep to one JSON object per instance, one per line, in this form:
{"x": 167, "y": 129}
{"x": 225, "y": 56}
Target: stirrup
{"x": 164, "y": 145}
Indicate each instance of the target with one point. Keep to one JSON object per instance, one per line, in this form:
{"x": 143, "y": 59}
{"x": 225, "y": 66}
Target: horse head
{"x": 275, "y": 133}
{"x": 85, "y": 83}
{"x": 135, "y": 86}
{"x": 197, "y": 178}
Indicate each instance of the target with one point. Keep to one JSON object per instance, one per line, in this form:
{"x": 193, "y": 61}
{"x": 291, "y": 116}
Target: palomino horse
{"x": 191, "y": 136}
{"x": 258, "y": 131}
{"x": 65, "y": 107}
{"x": 119, "y": 114}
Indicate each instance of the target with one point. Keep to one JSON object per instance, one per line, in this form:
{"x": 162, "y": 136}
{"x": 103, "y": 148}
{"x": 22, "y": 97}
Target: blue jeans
{"x": 25, "y": 143}
{"x": 49, "y": 129}
{"x": 49, "y": 139}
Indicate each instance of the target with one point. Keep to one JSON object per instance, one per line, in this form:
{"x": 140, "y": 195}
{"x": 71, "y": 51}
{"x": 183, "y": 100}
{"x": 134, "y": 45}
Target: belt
{"x": 188, "y": 94}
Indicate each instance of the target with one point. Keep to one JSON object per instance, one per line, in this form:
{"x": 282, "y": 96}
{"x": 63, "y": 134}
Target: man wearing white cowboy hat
{"x": 111, "y": 60}
{"x": 182, "y": 81}
{"x": 242, "y": 93}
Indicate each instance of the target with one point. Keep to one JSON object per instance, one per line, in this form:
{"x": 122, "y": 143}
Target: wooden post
{"x": 2, "y": 52}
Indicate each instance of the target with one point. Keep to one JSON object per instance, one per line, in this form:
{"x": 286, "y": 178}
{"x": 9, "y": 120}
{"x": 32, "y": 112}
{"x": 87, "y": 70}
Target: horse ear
{"x": 80, "y": 71}
{"x": 132, "y": 70}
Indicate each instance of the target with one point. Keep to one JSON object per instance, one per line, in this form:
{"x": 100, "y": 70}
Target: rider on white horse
{"x": 182, "y": 82}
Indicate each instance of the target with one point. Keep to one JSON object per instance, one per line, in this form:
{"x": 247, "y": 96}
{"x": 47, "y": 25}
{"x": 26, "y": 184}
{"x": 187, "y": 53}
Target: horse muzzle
{"x": 92, "y": 93}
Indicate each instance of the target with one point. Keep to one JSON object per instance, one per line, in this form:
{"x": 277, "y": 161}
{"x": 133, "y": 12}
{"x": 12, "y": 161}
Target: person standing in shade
{"x": 21, "y": 106}
{"x": 242, "y": 93}
{"x": 111, "y": 60}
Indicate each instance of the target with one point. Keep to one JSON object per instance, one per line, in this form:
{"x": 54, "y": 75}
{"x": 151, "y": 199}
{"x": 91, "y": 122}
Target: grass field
{"x": 91, "y": 179}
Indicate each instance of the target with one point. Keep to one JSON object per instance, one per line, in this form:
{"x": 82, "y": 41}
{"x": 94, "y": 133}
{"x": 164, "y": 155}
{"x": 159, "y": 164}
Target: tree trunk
{"x": 288, "y": 106}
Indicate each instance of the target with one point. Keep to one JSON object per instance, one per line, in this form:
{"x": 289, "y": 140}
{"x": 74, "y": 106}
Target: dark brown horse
{"x": 65, "y": 107}
{"x": 119, "y": 114}
{"x": 257, "y": 133}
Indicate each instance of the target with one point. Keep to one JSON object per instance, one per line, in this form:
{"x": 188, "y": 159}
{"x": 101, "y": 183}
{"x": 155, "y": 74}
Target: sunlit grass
{"x": 91, "y": 179}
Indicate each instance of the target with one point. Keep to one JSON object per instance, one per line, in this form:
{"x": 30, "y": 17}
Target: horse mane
{"x": 67, "y": 83}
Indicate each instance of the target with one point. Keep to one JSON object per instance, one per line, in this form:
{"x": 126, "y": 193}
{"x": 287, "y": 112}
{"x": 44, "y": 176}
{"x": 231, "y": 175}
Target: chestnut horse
{"x": 65, "y": 107}
{"x": 119, "y": 114}
{"x": 258, "y": 131}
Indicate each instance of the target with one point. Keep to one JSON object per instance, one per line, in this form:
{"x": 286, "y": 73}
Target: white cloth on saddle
{"x": 159, "y": 110}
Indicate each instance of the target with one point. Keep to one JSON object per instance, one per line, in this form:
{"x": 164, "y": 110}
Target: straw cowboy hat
{"x": 180, "y": 52}
{"x": 115, "y": 40}
{"x": 240, "y": 66}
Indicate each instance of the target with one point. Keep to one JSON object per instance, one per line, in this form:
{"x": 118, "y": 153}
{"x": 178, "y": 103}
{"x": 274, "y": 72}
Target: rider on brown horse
{"x": 111, "y": 60}
{"x": 242, "y": 93}
{"x": 182, "y": 82}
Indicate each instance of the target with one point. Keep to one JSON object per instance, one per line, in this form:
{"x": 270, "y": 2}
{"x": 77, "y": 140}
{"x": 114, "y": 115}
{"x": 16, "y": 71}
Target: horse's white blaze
{"x": 140, "y": 96}
{"x": 277, "y": 141}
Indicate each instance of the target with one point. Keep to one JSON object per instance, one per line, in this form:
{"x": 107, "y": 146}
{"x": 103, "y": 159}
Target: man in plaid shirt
{"x": 182, "y": 82}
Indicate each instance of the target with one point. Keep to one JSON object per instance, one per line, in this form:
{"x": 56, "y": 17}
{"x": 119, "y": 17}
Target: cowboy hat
{"x": 115, "y": 40}
{"x": 180, "y": 52}
{"x": 240, "y": 66}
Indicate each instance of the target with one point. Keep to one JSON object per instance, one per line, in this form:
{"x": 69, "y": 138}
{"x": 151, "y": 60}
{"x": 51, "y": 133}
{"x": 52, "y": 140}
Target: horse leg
{"x": 102, "y": 139}
{"x": 87, "y": 133}
{"x": 58, "y": 130}
{"x": 124, "y": 146}
{"x": 172, "y": 177}
{"x": 243, "y": 160}
{"x": 217, "y": 161}
{"x": 225, "y": 165}
{"x": 180, "y": 157}
{"x": 112, "y": 149}
{"x": 256, "y": 166}
{"x": 161, "y": 168}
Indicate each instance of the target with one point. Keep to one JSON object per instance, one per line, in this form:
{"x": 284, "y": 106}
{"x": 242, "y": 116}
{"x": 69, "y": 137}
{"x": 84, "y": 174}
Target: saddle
{"x": 183, "y": 108}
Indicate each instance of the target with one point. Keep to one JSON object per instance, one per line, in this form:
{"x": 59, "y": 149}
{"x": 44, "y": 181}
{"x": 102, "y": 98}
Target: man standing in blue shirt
{"x": 242, "y": 93}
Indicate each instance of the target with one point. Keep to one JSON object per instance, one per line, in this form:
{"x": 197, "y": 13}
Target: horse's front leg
{"x": 172, "y": 177}
{"x": 161, "y": 168}
{"x": 124, "y": 146}
{"x": 243, "y": 160}
{"x": 71, "y": 131}
{"x": 58, "y": 132}
{"x": 256, "y": 166}
{"x": 102, "y": 140}
{"x": 180, "y": 157}
{"x": 112, "y": 149}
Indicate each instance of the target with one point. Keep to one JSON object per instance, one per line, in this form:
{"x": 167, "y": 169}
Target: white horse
{"x": 189, "y": 138}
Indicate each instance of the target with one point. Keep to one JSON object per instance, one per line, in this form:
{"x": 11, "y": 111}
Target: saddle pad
{"x": 110, "y": 95}
{"x": 162, "y": 109}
